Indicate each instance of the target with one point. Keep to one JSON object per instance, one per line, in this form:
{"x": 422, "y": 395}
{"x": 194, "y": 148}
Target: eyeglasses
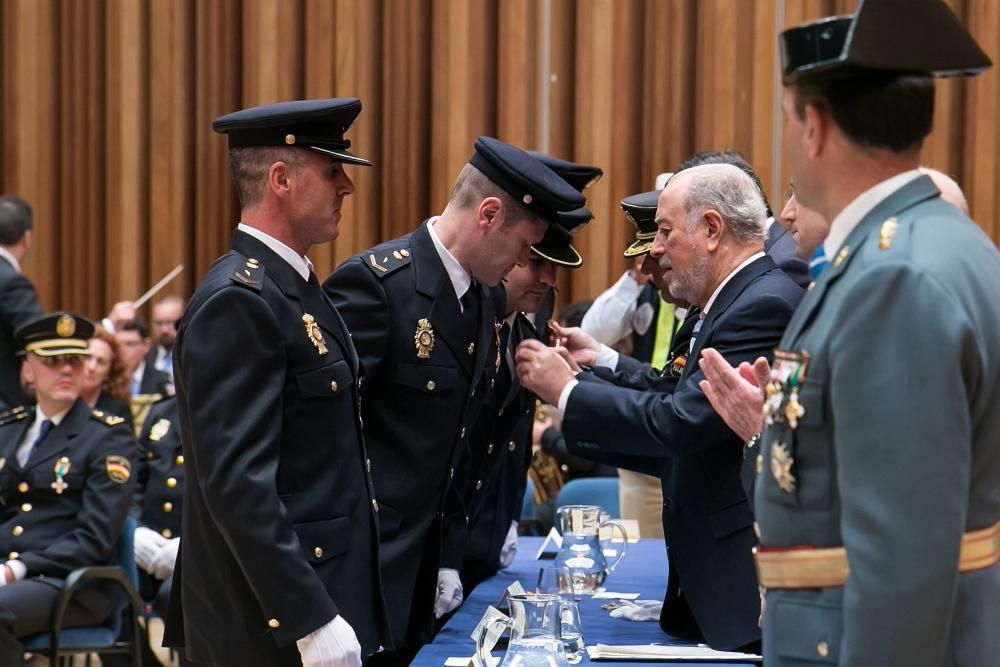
{"x": 60, "y": 360}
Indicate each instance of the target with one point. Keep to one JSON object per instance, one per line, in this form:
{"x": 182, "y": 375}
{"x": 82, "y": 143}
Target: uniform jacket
{"x": 706, "y": 512}
{"x": 498, "y": 473}
{"x": 18, "y": 305}
{"x": 279, "y": 525}
{"x": 54, "y": 533}
{"x": 897, "y": 452}
{"x": 159, "y": 491}
{"x": 420, "y": 403}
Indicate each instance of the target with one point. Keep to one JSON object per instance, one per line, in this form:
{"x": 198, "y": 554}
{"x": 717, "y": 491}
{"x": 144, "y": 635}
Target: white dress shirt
{"x": 460, "y": 278}
{"x": 300, "y": 263}
{"x": 853, "y": 213}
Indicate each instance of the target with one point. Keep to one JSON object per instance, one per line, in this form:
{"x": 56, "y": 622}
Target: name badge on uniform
{"x": 314, "y": 334}
{"x": 781, "y": 395}
{"x": 159, "y": 430}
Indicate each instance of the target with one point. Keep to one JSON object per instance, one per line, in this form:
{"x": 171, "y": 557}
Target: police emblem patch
{"x": 781, "y": 467}
{"x": 159, "y": 430}
{"x": 118, "y": 468}
{"x": 314, "y": 334}
{"x": 423, "y": 338}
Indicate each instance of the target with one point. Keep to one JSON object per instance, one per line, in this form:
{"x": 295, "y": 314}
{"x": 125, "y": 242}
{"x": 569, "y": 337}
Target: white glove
{"x": 333, "y": 645}
{"x": 509, "y": 549}
{"x": 640, "y": 610}
{"x": 449, "y": 593}
{"x": 146, "y": 544}
{"x": 163, "y": 561}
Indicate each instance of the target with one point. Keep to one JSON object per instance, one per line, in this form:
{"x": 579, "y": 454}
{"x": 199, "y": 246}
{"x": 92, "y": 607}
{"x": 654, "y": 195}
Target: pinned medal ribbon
{"x": 61, "y": 469}
{"x": 787, "y": 375}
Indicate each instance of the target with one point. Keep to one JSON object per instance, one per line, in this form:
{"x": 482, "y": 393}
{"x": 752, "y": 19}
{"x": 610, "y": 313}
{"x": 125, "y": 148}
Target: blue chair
{"x": 601, "y": 491}
{"x": 528, "y": 502}
{"x": 102, "y": 638}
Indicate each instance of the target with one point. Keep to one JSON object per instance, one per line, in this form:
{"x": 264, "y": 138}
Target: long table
{"x": 643, "y": 571}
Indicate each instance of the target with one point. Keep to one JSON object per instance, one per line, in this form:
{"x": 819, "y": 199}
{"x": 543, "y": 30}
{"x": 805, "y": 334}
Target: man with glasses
{"x": 65, "y": 486}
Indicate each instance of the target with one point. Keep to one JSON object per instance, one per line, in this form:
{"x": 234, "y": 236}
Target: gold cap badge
{"x": 65, "y": 326}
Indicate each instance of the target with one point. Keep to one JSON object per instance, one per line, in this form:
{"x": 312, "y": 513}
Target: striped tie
{"x": 818, "y": 262}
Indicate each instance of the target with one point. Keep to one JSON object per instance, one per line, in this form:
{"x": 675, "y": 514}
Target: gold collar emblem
{"x": 781, "y": 467}
{"x": 314, "y": 334}
{"x": 424, "y": 338}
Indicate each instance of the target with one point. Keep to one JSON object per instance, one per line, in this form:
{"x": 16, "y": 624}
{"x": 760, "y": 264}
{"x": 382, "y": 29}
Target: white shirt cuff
{"x": 564, "y": 397}
{"x": 607, "y": 357}
{"x": 19, "y": 569}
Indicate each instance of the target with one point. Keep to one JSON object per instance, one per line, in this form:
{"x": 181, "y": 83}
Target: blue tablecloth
{"x": 643, "y": 571}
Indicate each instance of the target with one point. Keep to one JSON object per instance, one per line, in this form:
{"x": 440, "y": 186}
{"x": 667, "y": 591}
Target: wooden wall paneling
{"x": 216, "y": 89}
{"x": 406, "y": 116}
{"x": 81, "y": 157}
{"x": 668, "y": 89}
{"x": 519, "y": 53}
{"x": 982, "y": 138}
{"x": 463, "y": 87}
{"x": 358, "y": 73}
{"x": 126, "y": 182}
{"x": 272, "y": 51}
{"x": 760, "y": 146}
{"x": 171, "y": 141}
{"x": 608, "y": 130}
{"x": 561, "y": 78}
{"x": 31, "y": 142}
{"x": 940, "y": 149}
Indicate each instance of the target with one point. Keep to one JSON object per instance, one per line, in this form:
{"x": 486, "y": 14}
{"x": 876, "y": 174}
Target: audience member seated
{"x": 105, "y": 382}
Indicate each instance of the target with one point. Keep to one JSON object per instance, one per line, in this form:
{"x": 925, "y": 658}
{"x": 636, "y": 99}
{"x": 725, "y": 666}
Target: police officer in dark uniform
{"x": 501, "y": 453}
{"x": 65, "y": 486}
{"x": 425, "y": 313}
{"x": 278, "y": 561}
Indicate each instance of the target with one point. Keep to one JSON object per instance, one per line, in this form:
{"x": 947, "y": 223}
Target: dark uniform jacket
{"x": 18, "y": 305}
{"x": 420, "y": 403}
{"x": 279, "y": 528}
{"x": 55, "y": 528}
{"x": 706, "y": 512}
{"x": 780, "y": 245}
{"x": 498, "y": 470}
{"x": 897, "y": 450}
{"x": 159, "y": 491}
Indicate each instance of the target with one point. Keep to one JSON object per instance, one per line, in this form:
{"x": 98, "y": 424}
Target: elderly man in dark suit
{"x": 18, "y": 301}
{"x": 425, "y": 311}
{"x": 710, "y": 246}
{"x": 278, "y": 558}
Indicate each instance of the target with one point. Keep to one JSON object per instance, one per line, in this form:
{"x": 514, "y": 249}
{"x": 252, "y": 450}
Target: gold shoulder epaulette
{"x": 383, "y": 261}
{"x": 105, "y": 418}
{"x": 14, "y": 415}
{"x": 251, "y": 274}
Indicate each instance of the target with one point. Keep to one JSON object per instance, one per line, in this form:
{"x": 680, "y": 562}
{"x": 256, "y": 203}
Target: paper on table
{"x": 553, "y": 538}
{"x": 466, "y": 662}
{"x": 610, "y": 595}
{"x": 666, "y": 653}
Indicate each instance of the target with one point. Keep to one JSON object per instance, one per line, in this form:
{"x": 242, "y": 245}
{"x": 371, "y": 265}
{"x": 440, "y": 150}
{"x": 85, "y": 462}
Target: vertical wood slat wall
{"x": 106, "y": 106}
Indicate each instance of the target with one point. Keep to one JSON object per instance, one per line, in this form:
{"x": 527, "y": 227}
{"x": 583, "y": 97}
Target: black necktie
{"x": 43, "y": 431}
{"x": 470, "y": 310}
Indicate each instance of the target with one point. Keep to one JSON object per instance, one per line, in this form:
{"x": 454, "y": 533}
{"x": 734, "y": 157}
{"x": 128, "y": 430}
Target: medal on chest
{"x": 314, "y": 334}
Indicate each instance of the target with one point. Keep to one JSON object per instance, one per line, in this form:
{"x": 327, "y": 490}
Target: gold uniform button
{"x": 171, "y": 482}
{"x": 822, "y": 649}
{"x": 471, "y": 348}
{"x": 431, "y": 385}
{"x": 318, "y": 552}
{"x": 375, "y": 504}
{"x": 334, "y": 386}
{"x": 18, "y": 531}
{"x": 168, "y": 507}
{"x": 166, "y": 532}
{"x": 23, "y": 487}
{"x": 26, "y": 507}
{"x": 13, "y": 555}
{"x": 273, "y": 624}
{"x": 511, "y": 446}
{"x": 479, "y": 484}
{"x": 489, "y": 450}
{"x": 461, "y": 433}
{"x": 179, "y": 460}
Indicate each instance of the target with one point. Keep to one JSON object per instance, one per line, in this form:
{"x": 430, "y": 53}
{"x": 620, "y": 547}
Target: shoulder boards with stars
{"x": 249, "y": 274}
{"x": 383, "y": 261}
{"x": 105, "y": 418}
{"x": 11, "y": 416}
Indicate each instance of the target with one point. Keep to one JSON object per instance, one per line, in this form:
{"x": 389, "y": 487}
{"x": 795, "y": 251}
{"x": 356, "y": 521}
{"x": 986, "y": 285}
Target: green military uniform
{"x": 878, "y": 493}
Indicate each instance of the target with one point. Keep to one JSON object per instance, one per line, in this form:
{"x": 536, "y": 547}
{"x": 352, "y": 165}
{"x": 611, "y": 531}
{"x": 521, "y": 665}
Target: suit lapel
{"x": 733, "y": 289}
{"x": 61, "y": 437}
{"x": 17, "y": 437}
{"x": 445, "y": 315}
{"x": 914, "y": 192}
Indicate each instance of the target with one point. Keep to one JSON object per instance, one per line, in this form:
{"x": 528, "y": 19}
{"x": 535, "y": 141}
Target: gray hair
{"x": 732, "y": 193}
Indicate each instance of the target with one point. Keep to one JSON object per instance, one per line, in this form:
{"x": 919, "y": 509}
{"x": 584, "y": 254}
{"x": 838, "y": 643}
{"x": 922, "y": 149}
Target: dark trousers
{"x": 26, "y": 610}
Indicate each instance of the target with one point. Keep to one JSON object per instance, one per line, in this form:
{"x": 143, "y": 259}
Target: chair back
{"x": 528, "y": 502}
{"x": 601, "y": 491}
{"x": 123, "y": 557}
